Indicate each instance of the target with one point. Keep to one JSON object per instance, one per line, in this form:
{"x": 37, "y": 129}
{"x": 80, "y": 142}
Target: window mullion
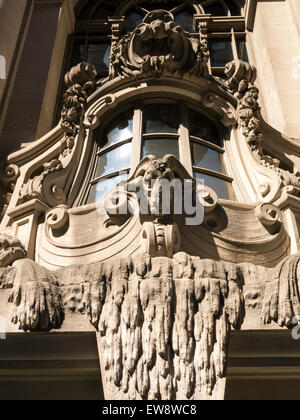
{"x": 184, "y": 140}
{"x": 137, "y": 139}
{"x": 234, "y": 46}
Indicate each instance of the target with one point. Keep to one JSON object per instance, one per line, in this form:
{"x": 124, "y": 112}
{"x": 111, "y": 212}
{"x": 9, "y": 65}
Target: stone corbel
{"x": 163, "y": 323}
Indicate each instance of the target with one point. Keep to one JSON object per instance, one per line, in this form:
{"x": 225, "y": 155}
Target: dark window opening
{"x": 220, "y": 52}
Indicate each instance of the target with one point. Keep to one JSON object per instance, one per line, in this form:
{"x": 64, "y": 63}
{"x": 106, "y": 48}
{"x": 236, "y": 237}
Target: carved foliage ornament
{"x": 156, "y": 46}
{"x": 241, "y": 81}
{"x": 47, "y": 183}
{"x": 80, "y": 83}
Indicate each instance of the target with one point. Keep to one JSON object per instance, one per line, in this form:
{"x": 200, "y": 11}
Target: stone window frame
{"x": 231, "y": 36}
{"x": 184, "y": 141}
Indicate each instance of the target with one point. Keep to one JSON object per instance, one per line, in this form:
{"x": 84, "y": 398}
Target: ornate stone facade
{"x": 162, "y": 294}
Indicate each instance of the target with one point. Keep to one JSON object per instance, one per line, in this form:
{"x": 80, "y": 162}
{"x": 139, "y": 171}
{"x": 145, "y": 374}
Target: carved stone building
{"x": 103, "y": 102}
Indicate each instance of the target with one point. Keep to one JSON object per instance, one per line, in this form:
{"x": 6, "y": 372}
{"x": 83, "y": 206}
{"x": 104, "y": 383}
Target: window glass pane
{"x": 222, "y": 188}
{"x": 201, "y": 127}
{"x": 119, "y": 130}
{"x": 160, "y": 119}
{"x": 207, "y": 158}
{"x": 78, "y": 53}
{"x": 115, "y": 160}
{"x": 185, "y": 20}
{"x": 103, "y": 11}
{"x": 220, "y": 52}
{"x": 98, "y": 55}
{"x": 161, "y": 147}
{"x": 235, "y": 10}
{"x": 132, "y": 21}
{"x": 98, "y": 190}
{"x": 215, "y": 10}
{"x": 242, "y": 49}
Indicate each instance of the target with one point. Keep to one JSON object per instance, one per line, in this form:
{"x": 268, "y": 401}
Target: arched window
{"x": 158, "y": 129}
{"x": 113, "y": 156}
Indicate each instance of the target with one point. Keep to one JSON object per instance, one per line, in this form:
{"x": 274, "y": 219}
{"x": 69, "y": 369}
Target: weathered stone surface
{"x": 164, "y": 323}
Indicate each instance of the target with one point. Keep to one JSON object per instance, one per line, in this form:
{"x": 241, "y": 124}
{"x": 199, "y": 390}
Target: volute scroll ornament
{"x": 57, "y": 218}
{"x": 8, "y": 179}
{"x": 269, "y": 216}
{"x": 47, "y": 183}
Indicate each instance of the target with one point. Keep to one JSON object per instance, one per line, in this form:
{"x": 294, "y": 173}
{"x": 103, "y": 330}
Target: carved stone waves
{"x": 164, "y": 323}
{"x": 158, "y": 45}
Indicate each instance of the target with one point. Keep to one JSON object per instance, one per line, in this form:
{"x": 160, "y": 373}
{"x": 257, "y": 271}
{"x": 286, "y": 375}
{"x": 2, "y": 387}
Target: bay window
{"x": 159, "y": 129}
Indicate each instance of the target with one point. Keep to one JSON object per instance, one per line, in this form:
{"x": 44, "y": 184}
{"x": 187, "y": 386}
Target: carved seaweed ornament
{"x": 164, "y": 323}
